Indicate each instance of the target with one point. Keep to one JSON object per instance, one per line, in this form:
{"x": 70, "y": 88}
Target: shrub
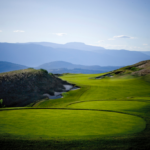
{"x": 112, "y": 74}
{"x": 30, "y": 68}
{"x": 64, "y": 94}
{"x": 134, "y": 69}
{"x": 43, "y": 70}
{"x": 1, "y": 103}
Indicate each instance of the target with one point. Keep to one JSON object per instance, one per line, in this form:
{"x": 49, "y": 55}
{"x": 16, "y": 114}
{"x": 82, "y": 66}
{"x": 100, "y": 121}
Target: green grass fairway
{"x": 111, "y": 88}
{"x": 48, "y": 124}
{"x": 111, "y": 105}
{"x": 110, "y": 114}
{"x": 103, "y": 89}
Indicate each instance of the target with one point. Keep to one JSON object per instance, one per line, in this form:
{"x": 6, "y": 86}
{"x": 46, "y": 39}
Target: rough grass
{"x": 15, "y": 74}
{"x": 19, "y": 71}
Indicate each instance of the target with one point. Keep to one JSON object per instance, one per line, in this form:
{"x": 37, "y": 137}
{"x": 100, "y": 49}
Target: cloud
{"x": 19, "y": 31}
{"x": 125, "y": 47}
{"x": 0, "y": 30}
{"x": 145, "y": 44}
{"x": 60, "y": 34}
{"x": 122, "y": 36}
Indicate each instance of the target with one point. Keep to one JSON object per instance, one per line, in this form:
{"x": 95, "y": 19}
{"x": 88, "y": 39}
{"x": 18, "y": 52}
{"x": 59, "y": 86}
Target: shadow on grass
{"x": 121, "y": 143}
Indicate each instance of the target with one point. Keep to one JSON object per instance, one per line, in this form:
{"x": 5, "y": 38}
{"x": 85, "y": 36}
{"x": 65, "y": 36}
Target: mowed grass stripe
{"x": 110, "y": 88}
{"x": 117, "y": 90}
{"x": 47, "y": 124}
{"x": 112, "y": 105}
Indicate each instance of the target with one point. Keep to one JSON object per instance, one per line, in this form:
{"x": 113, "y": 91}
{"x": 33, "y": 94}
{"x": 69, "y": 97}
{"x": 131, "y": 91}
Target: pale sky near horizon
{"x": 112, "y": 24}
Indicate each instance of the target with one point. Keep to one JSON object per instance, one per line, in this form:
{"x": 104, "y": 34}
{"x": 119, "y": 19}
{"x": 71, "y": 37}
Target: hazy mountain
{"x": 62, "y": 65}
{"x": 7, "y": 66}
{"x": 146, "y": 52}
{"x": 30, "y": 54}
{"x": 76, "y": 70}
{"x": 71, "y": 45}
{"x": 57, "y": 65}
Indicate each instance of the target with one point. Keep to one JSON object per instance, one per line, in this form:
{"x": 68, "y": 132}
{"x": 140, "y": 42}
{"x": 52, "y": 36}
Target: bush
{"x": 43, "y": 70}
{"x": 112, "y": 74}
{"x": 1, "y": 103}
{"x": 64, "y": 94}
{"x": 30, "y": 68}
{"x": 134, "y": 69}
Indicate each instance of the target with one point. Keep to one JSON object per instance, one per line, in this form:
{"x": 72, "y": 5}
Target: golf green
{"x": 61, "y": 123}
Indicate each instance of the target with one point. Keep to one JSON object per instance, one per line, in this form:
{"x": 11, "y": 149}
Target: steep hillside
{"x": 8, "y": 66}
{"x": 19, "y": 88}
{"x": 139, "y": 69}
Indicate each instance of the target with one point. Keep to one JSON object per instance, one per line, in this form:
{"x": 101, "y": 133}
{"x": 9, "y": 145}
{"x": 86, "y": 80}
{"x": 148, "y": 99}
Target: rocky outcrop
{"x": 139, "y": 69}
{"x": 144, "y": 69}
{"x": 20, "y": 88}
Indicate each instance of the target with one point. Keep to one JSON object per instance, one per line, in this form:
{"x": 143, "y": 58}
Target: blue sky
{"x": 112, "y": 24}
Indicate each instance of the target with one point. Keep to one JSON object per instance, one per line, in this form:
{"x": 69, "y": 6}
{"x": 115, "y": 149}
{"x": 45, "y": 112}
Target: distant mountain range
{"x": 35, "y": 54}
{"x": 7, "y": 66}
{"x": 146, "y": 52}
{"x": 76, "y": 70}
{"x": 71, "y": 45}
{"x": 66, "y": 67}
{"x": 59, "y": 67}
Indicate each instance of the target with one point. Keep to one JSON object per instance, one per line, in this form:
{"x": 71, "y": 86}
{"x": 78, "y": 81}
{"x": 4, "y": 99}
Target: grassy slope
{"x": 122, "y": 94}
{"x": 123, "y": 88}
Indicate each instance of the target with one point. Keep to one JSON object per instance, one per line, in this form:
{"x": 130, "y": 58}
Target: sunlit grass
{"x": 111, "y": 105}
{"x": 36, "y": 124}
{"x": 123, "y": 121}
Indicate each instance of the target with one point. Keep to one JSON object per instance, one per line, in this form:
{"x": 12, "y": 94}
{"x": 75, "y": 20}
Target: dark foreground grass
{"x": 116, "y": 143}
